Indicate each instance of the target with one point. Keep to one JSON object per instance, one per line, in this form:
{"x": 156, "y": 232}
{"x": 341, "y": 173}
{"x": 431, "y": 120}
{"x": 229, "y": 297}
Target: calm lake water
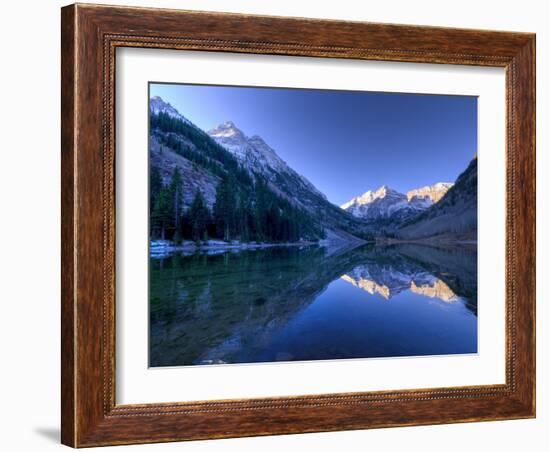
{"x": 288, "y": 304}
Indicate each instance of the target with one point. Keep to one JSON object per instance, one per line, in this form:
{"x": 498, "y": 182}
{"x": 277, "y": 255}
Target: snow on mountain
{"x": 432, "y": 192}
{"x": 390, "y": 279}
{"x": 379, "y": 204}
{"x": 253, "y": 151}
{"x": 157, "y": 105}
{"x": 386, "y": 203}
{"x": 256, "y": 155}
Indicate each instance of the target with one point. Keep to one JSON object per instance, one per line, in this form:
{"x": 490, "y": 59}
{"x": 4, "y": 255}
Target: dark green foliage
{"x": 245, "y": 209}
{"x": 165, "y": 205}
{"x": 200, "y": 217}
{"x": 225, "y": 209}
{"x": 205, "y": 152}
{"x": 162, "y": 220}
{"x": 176, "y": 196}
{"x": 155, "y": 185}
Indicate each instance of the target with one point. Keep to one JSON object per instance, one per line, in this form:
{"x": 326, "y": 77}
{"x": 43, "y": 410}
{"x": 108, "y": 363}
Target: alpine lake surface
{"x": 312, "y": 303}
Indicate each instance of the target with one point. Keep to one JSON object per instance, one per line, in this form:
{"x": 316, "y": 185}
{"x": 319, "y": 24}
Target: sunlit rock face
{"x": 370, "y": 286}
{"x": 385, "y": 280}
{"x": 438, "y": 289}
{"x": 432, "y": 192}
{"x": 388, "y": 281}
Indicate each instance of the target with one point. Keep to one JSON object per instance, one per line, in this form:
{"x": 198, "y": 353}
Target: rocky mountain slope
{"x": 157, "y": 105}
{"x": 454, "y": 215}
{"x": 165, "y": 159}
{"x": 259, "y": 158}
{"x": 255, "y": 155}
{"x": 250, "y": 169}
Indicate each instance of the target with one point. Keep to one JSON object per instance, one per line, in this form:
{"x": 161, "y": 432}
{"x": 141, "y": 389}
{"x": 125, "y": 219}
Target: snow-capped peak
{"x": 228, "y": 129}
{"x": 384, "y": 191}
{"x": 250, "y": 150}
{"x": 158, "y": 105}
{"x": 387, "y": 203}
{"x": 255, "y": 154}
{"x": 371, "y": 195}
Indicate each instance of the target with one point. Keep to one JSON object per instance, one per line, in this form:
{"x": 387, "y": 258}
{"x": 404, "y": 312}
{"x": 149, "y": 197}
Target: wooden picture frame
{"x": 90, "y": 35}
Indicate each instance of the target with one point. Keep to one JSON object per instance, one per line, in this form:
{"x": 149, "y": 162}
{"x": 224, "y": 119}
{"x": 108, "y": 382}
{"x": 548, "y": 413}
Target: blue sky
{"x": 344, "y": 142}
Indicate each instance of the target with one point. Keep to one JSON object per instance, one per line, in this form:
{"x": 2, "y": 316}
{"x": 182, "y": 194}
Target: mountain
{"x": 255, "y": 155}
{"x": 259, "y": 158}
{"x": 380, "y": 204}
{"x": 165, "y": 159}
{"x": 157, "y": 105}
{"x": 249, "y": 192}
{"x": 389, "y": 281}
{"x": 243, "y": 190}
{"x": 390, "y": 206}
{"x": 453, "y": 216}
{"x": 434, "y": 289}
{"x": 430, "y": 192}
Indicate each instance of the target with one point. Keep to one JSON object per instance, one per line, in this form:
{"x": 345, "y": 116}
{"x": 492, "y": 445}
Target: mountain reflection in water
{"x": 390, "y": 283}
{"x": 290, "y": 303}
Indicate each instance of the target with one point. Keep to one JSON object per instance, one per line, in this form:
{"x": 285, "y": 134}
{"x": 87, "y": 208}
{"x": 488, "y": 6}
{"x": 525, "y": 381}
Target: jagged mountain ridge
{"x": 255, "y": 154}
{"x": 157, "y": 105}
{"x": 390, "y": 205}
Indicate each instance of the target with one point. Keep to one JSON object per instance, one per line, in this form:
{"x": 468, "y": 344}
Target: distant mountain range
{"x": 386, "y": 203}
{"x": 205, "y": 159}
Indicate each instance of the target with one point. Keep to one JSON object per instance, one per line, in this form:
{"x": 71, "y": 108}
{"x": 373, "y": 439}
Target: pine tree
{"x": 161, "y": 216}
{"x": 155, "y": 185}
{"x": 225, "y": 208}
{"x": 199, "y": 216}
{"x": 176, "y": 196}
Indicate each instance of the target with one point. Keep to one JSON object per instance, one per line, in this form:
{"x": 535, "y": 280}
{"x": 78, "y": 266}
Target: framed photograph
{"x": 281, "y": 225}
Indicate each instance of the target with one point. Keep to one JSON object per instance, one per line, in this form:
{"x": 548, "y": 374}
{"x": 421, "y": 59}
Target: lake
{"x": 312, "y": 303}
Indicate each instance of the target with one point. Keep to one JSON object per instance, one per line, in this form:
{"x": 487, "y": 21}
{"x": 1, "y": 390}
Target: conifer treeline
{"x": 245, "y": 208}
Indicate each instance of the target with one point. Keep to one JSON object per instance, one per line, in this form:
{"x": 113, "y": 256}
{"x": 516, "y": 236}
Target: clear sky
{"x": 344, "y": 142}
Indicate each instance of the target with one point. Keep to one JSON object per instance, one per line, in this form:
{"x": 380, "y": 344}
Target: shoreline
{"x": 162, "y": 248}
{"x": 438, "y": 242}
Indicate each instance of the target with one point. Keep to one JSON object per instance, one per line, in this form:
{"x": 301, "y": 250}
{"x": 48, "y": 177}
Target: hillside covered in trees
{"x": 244, "y": 207}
